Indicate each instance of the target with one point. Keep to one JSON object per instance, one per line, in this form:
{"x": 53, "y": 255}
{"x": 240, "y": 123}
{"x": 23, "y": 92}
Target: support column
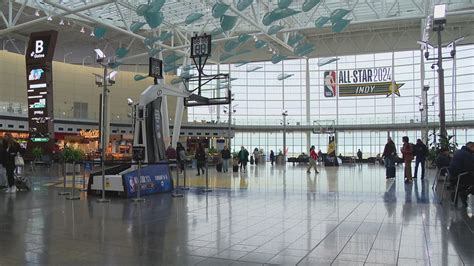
{"x": 308, "y": 105}
{"x": 424, "y": 100}
{"x": 166, "y": 121}
{"x": 218, "y": 94}
{"x": 393, "y": 86}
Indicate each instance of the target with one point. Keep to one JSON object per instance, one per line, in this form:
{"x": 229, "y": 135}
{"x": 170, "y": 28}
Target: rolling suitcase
{"x": 390, "y": 172}
{"x": 22, "y": 182}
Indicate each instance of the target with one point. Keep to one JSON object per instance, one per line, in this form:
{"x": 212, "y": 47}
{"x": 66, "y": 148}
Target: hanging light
{"x": 50, "y": 18}
{"x": 92, "y": 33}
{"x": 37, "y": 13}
{"x": 82, "y": 30}
{"x": 61, "y": 22}
{"x": 68, "y": 23}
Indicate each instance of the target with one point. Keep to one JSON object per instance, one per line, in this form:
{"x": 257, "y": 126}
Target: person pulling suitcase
{"x": 389, "y": 155}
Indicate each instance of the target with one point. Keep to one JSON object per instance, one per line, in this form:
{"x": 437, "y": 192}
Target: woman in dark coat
{"x": 200, "y": 158}
{"x": 389, "y": 155}
{"x": 10, "y": 148}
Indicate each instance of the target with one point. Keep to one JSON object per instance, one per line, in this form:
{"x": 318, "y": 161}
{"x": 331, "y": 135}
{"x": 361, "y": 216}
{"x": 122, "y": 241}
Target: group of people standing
{"x": 409, "y": 152}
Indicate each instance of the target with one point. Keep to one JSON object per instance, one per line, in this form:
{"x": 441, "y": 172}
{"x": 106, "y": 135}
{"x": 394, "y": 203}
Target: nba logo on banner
{"x": 330, "y": 83}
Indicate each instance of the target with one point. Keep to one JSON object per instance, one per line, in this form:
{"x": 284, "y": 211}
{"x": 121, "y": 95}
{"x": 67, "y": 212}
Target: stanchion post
{"x": 73, "y": 187}
{"x": 207, "y": 179}
{"x": 64, "y": 192}
{"x": 138, "y": 199}
{"x": 175, "y": 193}
{"x": 184, "y": 176}
{"x": 84, "y": 189}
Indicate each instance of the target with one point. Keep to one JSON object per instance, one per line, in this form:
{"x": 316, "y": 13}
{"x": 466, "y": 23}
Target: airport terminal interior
{"x": 236, "y": 132}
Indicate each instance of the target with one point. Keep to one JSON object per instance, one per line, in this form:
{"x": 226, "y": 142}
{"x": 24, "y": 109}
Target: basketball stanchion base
{"x": 64, "y": 193}
{"x": 207, "y": 190}
{"x": 177, "y": 195}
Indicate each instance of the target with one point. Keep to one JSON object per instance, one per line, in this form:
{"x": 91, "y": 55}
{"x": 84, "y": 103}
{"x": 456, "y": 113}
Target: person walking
{"x": 255, "y": 155}
{"x": 359, "y": 156}
{"x": 420, "y": 152}
{"x": 200, "y": 159}
{"x": 181, "y": 155}
{"x": 226, "y": 157}
{"x": 389, "y": 155}
{"x": 313, "y": 158}
{"x": 243, "y": 158}
{"x": 407, "y": 152}
{"x": 272, "y": 156}
{"x": 10, "y": 149}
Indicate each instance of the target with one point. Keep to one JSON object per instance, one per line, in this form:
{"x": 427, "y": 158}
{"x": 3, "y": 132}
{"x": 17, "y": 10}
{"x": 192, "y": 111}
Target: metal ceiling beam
{"x": 260, "y": 28}
{"x": 100, "y": 22}
{"x": 18, "y": 14}
{"x": 36, "y": 21}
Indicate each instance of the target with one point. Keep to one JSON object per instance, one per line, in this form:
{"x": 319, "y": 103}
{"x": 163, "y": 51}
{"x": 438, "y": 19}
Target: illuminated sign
{"x": 39, "y": 104}
{"x": 41, "y": 46}
{"x": 35, "y": 74}
{"x": 39, "y": 139}
{"x": 361, "y": 82}
{"x": 92, "y": 134}
{"x": 39, "y": 78}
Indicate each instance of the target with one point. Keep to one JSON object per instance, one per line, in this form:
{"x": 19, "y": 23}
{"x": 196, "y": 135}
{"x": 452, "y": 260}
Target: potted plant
{"x": 71, "y": 157}
{"x": 446, "y": 142}
{"x": 37, "y": 153}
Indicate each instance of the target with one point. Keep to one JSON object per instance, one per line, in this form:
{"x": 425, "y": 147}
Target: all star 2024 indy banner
{"x": 360, "y": 82}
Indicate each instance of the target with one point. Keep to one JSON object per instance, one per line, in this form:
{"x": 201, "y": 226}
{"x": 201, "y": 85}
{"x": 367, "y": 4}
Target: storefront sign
{"x": 361, "y": 82}
{"x": 154, "y": 179}
{"x": 90, "y": 134}
{"x": 15, "y": 135}
{"x": 39, "y": 80}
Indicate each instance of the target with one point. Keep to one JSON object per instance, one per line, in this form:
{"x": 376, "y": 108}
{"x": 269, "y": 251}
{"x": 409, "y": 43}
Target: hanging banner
{"x": 361, "y": 82}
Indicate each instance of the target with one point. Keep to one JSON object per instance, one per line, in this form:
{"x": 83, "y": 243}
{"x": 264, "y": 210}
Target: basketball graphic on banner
{"x": 330, "y": 83}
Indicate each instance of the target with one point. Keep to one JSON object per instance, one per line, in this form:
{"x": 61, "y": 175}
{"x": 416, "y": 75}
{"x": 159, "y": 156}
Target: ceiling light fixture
{"x": 50, "y": 18}
{"x": 82, "y": 30}
{"x": 37, "y": 13}
{"x": 61, "y": 22}
{"x": 92, "y": 34}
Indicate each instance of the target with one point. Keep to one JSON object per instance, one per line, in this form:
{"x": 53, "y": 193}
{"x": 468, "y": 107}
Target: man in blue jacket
{"x": 463, "y": 161}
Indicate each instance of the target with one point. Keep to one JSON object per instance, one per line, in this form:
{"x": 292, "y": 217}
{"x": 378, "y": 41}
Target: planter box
{"x": 69, "y": 168}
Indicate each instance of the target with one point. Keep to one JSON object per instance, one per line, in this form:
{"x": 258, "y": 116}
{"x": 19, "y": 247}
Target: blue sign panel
{"x": 154, "y": 179}
{"x": 88, "y": 166}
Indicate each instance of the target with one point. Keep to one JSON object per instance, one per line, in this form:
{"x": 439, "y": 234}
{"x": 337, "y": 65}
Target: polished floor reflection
{"x": 349, "y": 215}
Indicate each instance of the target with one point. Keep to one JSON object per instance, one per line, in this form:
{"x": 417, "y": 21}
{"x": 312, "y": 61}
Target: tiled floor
{"x": 271, "y": 215}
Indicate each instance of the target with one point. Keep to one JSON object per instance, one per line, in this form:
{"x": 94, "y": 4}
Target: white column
{"x": 218, "y": 94}
{"x": 308, "y": 105}
{"x": 166, "y": 120}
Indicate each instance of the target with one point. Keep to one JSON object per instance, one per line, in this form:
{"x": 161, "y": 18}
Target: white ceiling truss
{"x": 368, "y": 17}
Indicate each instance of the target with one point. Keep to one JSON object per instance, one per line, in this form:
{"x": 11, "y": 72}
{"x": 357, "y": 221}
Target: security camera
{"x": 129, "y": 101}
{"x": 427, "y": 55}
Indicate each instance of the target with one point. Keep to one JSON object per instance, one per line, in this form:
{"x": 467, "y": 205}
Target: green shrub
{"x": 70, "y": 155}
{"x": 37, "y": 153}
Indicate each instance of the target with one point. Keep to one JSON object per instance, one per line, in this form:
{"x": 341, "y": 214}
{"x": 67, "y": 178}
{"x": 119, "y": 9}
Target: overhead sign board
{"x": 360, "y": 82}
{"x": 41, "y": 47}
